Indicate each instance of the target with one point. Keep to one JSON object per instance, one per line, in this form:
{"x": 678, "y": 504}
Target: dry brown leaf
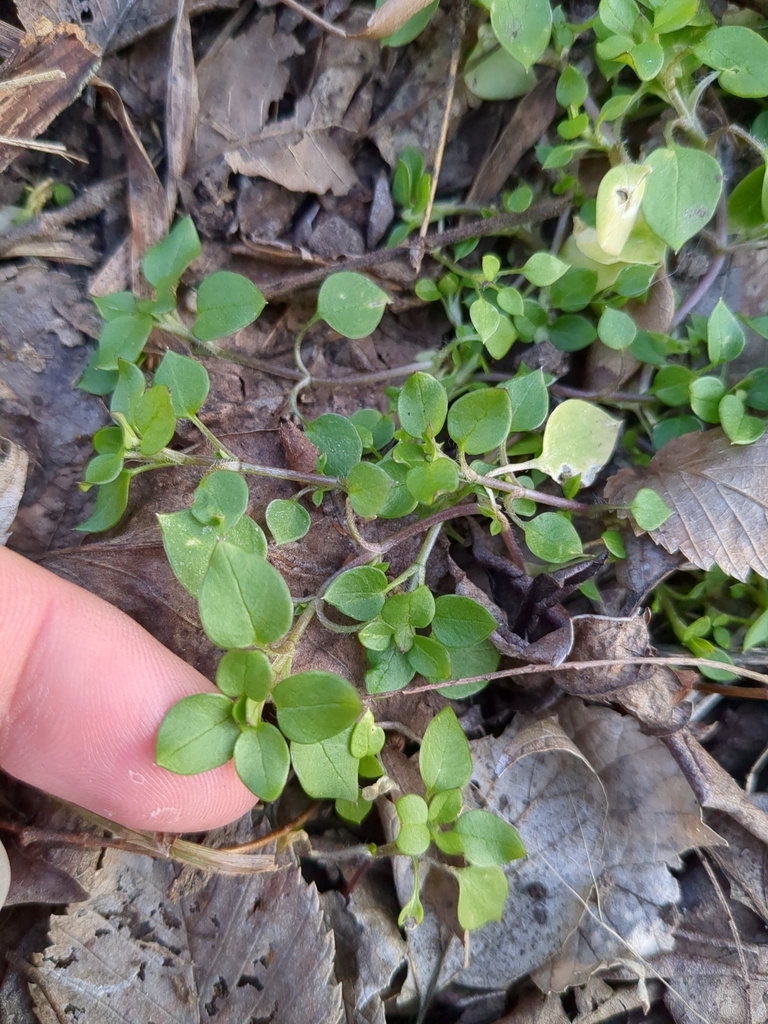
{"x": 234, "y": 106}
{"x": 27, "y": 111}
{"x": 537, "y": 1008}
{"x": 146, "y": 16}
{"x": 415, "y": 115}
{"x": 390, "y": 17}
{"x": 13, "y": 476}
{"x": 236, "y": 950}
{"x": 744, "y": 861}
{"x": 182, "y": 105}
{"x": 651, "y": 693}
{"x": 97, "y": 19}
{"x": 719, "y": 495}
{"x": 147, "y": 204}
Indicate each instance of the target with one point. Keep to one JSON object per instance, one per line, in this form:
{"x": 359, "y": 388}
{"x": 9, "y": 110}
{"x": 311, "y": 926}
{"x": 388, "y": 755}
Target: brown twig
{"x": 279, "y": 833}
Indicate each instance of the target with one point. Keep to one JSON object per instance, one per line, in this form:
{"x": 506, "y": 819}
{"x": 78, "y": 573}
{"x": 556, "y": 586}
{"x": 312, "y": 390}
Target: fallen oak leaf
{"x": 719, "y": 495}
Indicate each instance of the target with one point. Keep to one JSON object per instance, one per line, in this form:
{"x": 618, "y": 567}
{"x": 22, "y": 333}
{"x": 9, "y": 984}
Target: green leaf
{"x": 246, "y": 673}
{"x": 487, "y": 839}
{"x": 529, "y": 398}
{"x": 618, "y": 16}
{"x": 122, "y": 338}
{"x": 244, "y": 601}
{"x": 287, "y": 520}
{"x": 511, "y": 301}
{"x": 367, "y": 738}
{"x": 390, "y": 670}
{"x": 186, "y": 379}
{"x": 745, "y": 203}
{"x": 226, "y": 303}
{"x": 518, "y": 201}
{"x": 312, "y": 706}
{"x": 326, "y": 770}
{"x": 189, "y": 544}
{"x": 571, "y": 87}
{"x": 574, "y": 290}
{"x": 479, "y": 421}
{"x": 741, "y": 56}
{"x": 482, "y": 894}
{"x": 414, "y": 837}
{"x": 523, "y": 27}
{"x": 497, "y": 75}
{"x": 95, "y": 381}
{"x": 485, "y": 318}
{"x": 129, "y": 388}
{"x": 647, "y": 59}
{"x": 618, "y": 205}
{"x": 444, "y": 760}
{"x": 337, "y": 439}
{"x": 422, "y": 405}
{"x": 725, "y": 338}
{"x": 427, "y": 481}
{"x": 412, "y": 28}
{"x": 445, "y": 807}
{"x": 220, "y": 499}
{"x": 634, "y": 281}
{"x": 262, "y": 761}
{"x": 197, "y": 734}
{"x": 155, "y": 419}
{"x": 104, "y": 468}
{"x": 571, "y": 333}
{"x": 673, "y": 15}
{"x": 351, "y": 304}
{"x": 671, "y": 384}
{"x": 616, "y": 329}
{"x": 111, "y": 500}
{"x": 470, "y": 661}
{"x": 681, "y": 193}
{"x": 705, "y": 394}
{"x": 739, "y": 427}
{"x": 461, "y": 622}
{"x": 430, "y": 659}
{"x": 757, "y": 634}
{"x": 354, "y": 811}
{"x": 368, "y": 488}
{"x": 579, "y": 439}
{"x": 358, "y": 593}
{"x": 115, "y": 304}
{"x": 552, "y": 538}
{"x": 541, "y": 269}
{"x": 649, "y": 510}
{"x": 376, "y": 635}
{"x": 614, "y": 543}
{"x": 165, "y": 262}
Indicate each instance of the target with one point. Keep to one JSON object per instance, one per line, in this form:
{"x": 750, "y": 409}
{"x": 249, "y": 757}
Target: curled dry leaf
{"x": 5, "y": 875}
{"x": 718, "y": 493}
{"x": 651, "y": 693}
{"x": 13, "y": 475}
{"x": 235, "y": 949}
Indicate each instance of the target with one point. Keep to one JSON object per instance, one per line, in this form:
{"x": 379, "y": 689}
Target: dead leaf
{"x": 27, "y": 110}
{"x": 13, "y": 476}
{"x": 390, "y": 17}
{"x": 182, "y": 105}
{"x": 234, "y": 106}
{"x": 651, "y": 693}
{"x": 145, "y": 16}
{"x": 234, "y": 950}
{"x": 532, "y": 116}
{"x": 744, "y": 861}
{"x": 719, "y": 495}
{"x": 96, "y": 20}
{"x": 608, "y": 368}
{"x": 5, "y": 875}
{"x": 537, "y": 1008}
{"x": 415, "y": 115}
{"x": 604, "y": 813}
{"x": 645, "y": 566}
{"x": 148, "y": 209}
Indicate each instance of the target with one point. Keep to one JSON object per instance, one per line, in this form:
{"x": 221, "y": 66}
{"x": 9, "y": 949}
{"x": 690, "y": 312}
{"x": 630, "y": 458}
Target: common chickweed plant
{"x": 460, "y": 439}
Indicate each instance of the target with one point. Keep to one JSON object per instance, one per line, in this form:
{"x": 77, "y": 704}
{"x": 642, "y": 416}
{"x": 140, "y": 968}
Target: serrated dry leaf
{"x": 237, "y": 949}
{"x": 26, "y": 111}
{"x": 718, "y": 493}
{"x": 13, "y": 475}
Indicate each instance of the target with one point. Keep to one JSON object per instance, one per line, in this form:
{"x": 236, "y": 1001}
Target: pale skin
{"x": 83, "y": 689}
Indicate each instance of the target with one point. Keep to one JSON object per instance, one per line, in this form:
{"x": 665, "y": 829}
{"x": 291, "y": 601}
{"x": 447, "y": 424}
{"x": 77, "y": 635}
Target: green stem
{"x": 221, "y": 451}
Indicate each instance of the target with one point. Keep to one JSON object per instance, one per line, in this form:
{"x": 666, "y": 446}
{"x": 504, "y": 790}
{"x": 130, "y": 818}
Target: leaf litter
{"x": 607, "y": 802}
